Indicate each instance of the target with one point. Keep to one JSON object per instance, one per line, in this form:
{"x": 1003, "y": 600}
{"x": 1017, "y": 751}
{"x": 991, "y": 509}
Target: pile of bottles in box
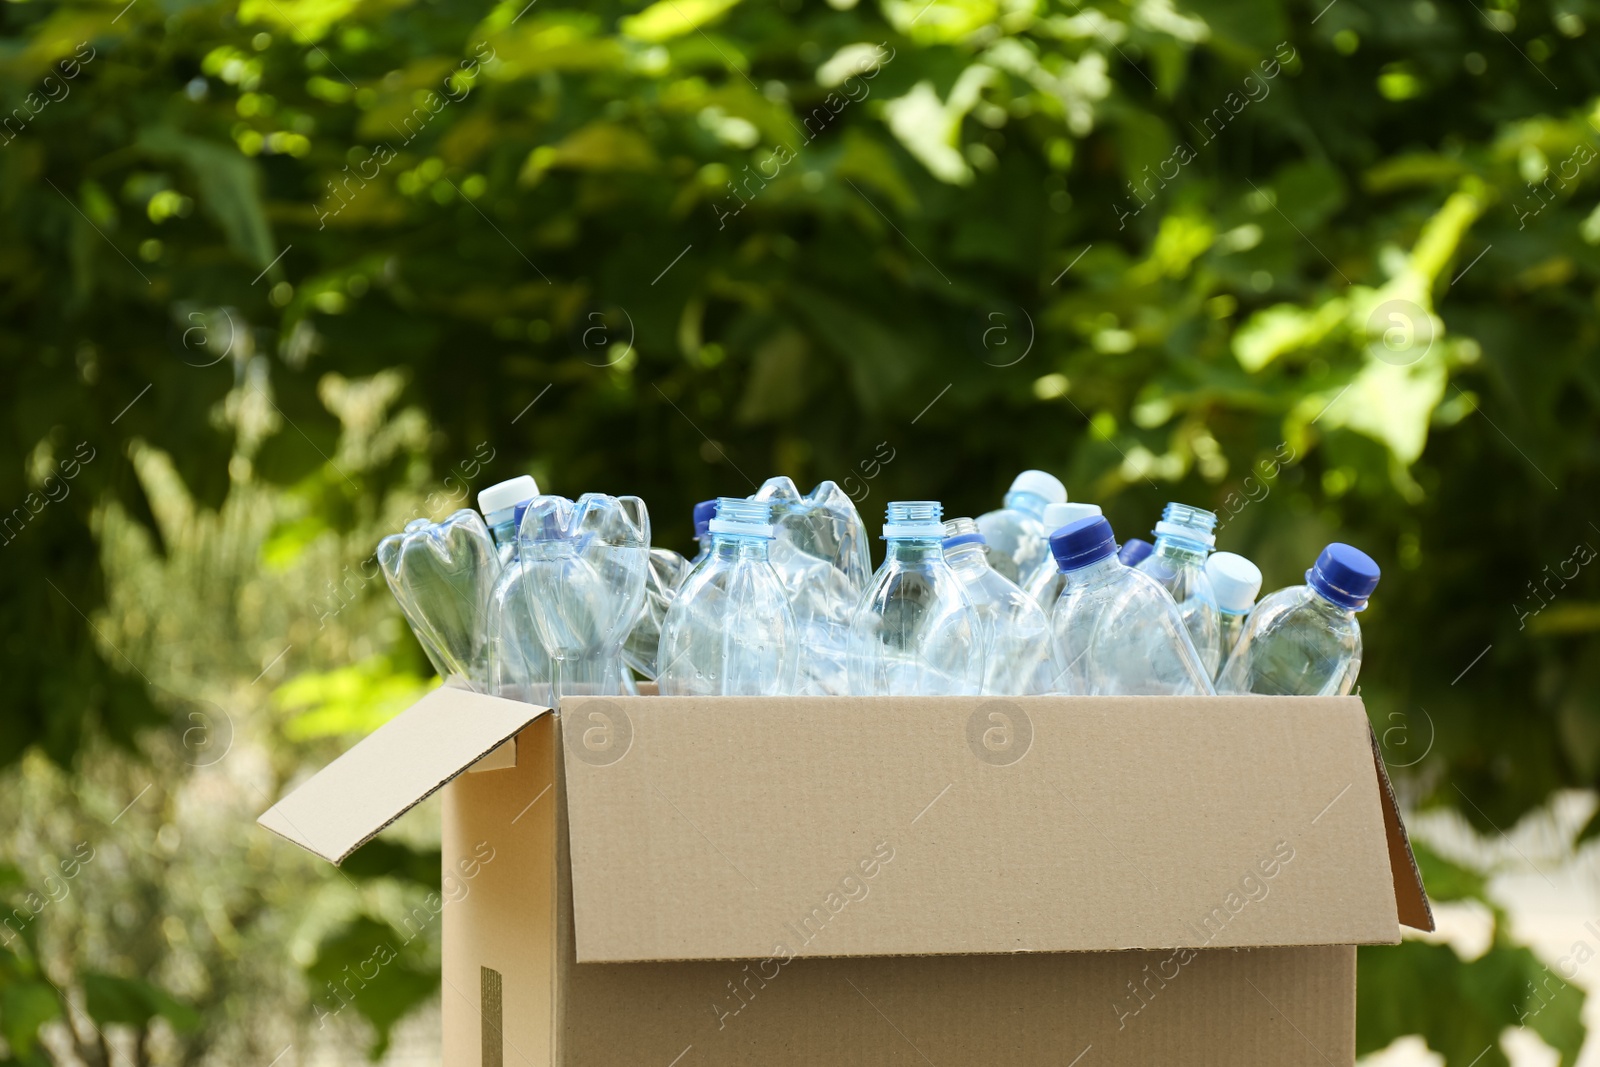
{"x": 541, "y": 596}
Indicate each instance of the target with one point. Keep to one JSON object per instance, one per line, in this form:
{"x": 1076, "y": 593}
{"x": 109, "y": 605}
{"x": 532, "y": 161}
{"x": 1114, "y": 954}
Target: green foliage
{"x": 1329, "y": 270}
{"x": 1468, "y": 1003}
{"x": 375, "y": 969}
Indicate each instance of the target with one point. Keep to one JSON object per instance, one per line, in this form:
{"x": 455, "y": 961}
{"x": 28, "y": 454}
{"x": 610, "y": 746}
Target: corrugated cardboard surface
{"x": 499, "y": 846}
{"x": 1292, "y": 1007}
{"x": 1270, "y": 1007}
{"x": 735, "y": 828}
{"x": 390, "y": 771}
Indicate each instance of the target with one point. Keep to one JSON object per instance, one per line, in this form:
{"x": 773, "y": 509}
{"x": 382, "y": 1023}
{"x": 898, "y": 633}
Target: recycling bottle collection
{"x": 539, "y": 597}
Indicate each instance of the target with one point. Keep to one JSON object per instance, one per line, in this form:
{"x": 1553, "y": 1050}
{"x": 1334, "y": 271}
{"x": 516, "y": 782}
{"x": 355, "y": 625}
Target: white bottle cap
{"x": 1059, "y": 515}
{"x": 1040, "y": 483}
{"x": 1235, "y": 580}
{"x": 508, "y": 494}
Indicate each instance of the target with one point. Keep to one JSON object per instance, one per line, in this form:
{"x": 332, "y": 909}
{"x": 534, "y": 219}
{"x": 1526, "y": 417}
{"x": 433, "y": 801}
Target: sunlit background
{"x": 277, "y": 276}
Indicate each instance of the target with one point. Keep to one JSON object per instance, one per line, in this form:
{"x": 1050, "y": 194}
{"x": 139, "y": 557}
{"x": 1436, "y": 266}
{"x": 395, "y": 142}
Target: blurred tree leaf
{"x": 130, "y": 1001}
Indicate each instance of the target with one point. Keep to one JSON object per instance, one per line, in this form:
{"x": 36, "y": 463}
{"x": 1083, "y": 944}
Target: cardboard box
{"x": 1076, "y": 882}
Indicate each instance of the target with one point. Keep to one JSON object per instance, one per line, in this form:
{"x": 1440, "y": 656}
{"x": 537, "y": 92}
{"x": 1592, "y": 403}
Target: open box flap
{"x": 706, "y": 828}
{"x": 1410, "y": 897}
{"x": 395, "y": 768}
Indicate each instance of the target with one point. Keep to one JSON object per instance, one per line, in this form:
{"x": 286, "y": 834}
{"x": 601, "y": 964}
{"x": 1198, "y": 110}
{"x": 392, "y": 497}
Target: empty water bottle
{"x": 1235, "y": 581}
{"x": 1184, "y": 539}
{"x": 519, "y": 666}
{"x": 1305, "y": 640}
{"x": 1134, "y": 552}
{"x": 1013, "y": 627}
{"x": 1046, "y": 581}
{"x": 704, "y": 512}
{"x": 914, "y": 632}
{"x": 661, "y": 580}
{"x": 498, "y": 503}
{"x": 443, "y": 574}
{"x": 730, "y": 631}
{"x": 820, "y": 553}
{"x": 1016, "y": 534}
{"x": 1116, "y": 631}
{"x": 586, "y": 564}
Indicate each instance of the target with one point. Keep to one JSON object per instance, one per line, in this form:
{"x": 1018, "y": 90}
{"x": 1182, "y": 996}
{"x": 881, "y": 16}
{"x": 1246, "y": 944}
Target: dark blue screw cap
{"x": 704, "y": 512}
{"x": 1345, "y": 575}
{"x": 1134, "y": 551}
{"x": 1078, "y": 544}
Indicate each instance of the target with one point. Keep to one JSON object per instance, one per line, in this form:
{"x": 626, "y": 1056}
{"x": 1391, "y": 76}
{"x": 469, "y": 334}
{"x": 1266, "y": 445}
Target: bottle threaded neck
{"x": 1181, "y": 522}
{"x": 738, "y": 516}
{"x": 919, "y": 519}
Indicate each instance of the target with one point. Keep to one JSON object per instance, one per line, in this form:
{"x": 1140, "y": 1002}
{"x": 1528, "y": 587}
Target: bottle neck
{"x": 914, "y": 549}
{"x": 1181, "y": 549}
{"x": 732, "y": 546}
{"x": 1031, "y": 503}
{"x": 1099, "y": 572}
{"x": 1319, "y": 600}
{"x": 505, "y": 534}
{"x": 968, "y": 557}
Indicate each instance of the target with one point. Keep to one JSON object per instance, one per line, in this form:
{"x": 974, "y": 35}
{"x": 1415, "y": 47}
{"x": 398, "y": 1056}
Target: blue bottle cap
{"x": 1078, "y": 544}
{"x": 704, "y": 512}
{"x": 519, "y": 511}
{"x": 1345, "y": 575}
{"x": 1134, "y": 552}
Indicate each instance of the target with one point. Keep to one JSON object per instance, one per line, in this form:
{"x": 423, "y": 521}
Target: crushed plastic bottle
{"x": 730, "y": 631}
{"x": 586, "y": 563}
{"x": 1305, "y": 640}
{"x": 498, "y": 503}
{"x": 1014, "y": 630}
{"x": 519, "y": 666}
{"x": 1134, "y": 552}
{"x": 1116, "y": 631}
{"x": 443, "y": 574}
{"x": 820, "y": 553}
{"x": 1046, "y": 581}
{"x": 1016, "y": 534}
{"x": 1184, "y": 539}
{"x": 914, "y": 632}
{"x": 1236, "y": 582}
{"x": 666, "y": 572}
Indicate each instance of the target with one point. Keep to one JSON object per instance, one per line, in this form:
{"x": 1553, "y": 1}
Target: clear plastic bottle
{"x": 442, "y": 574}
{"x": 1116, "y": 631}
{"x": 1305, "y": 640}
{"x": 1184, "y": 539}
{"x": 586, "y": 564}
{"x": 1016, "y": 534}
{"x": 666, "y": 572}
{"x": 820, "y": 552}
{"x": 1134, "y": 552}
{"x": 1046, "y": 581}
{"x": 498, "y": 503}
{"x": 914, "y": 633}
{"x": 1236, "y": 582}
{"x": 1012, "y": 626}
{"x": 729, "y": 631}
{"x": 519, "y": 666}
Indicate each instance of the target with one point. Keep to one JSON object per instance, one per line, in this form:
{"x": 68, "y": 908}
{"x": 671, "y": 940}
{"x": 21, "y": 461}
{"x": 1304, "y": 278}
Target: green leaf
{"x": 229, "y": 184}
{"x": 377, "y": 972}
{"x": 667, "y": 19}
{"x": 24, "y": 1007}
{"x": 110, "y": 999}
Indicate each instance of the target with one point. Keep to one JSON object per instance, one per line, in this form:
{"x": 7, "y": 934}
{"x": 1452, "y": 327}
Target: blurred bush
{"x": 279, "y": 274}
